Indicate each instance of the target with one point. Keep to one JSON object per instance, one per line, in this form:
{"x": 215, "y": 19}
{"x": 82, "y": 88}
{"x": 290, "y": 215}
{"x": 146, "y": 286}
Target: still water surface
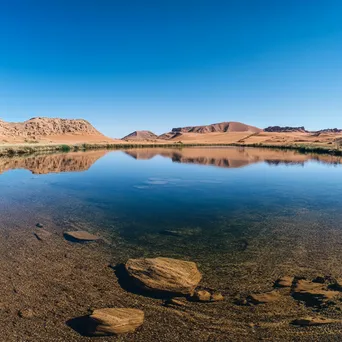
{"x": 202, "y": 203}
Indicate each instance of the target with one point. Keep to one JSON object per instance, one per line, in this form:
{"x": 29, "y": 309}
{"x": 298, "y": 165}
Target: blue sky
{"x": 132, "y": 64}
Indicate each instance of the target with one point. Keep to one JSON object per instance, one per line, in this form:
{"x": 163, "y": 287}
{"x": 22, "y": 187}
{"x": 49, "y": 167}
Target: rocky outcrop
{"x": 329, "y": 130}
{"x": 41, "y": 127}
{"x": 164, "y": 275}
{"x": 223, "y": 127}
{"x": 140, "y": 135}
{"x": 286, "y": 129}
{"x": 112, "y": 321}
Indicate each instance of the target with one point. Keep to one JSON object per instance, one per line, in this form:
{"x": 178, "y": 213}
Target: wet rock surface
{"x": 313, "y": 293}
{"x": 264, "y": 298}
{"x": 113, "y": 321}
{"x": 311, "y": 321}
{"x": 164, "y": 275}
{"x": 81, "y": 236}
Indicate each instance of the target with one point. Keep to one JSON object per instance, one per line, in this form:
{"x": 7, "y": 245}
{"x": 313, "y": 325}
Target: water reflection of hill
{"x": 52, "y": 163}
{"x": 232, "y": 157}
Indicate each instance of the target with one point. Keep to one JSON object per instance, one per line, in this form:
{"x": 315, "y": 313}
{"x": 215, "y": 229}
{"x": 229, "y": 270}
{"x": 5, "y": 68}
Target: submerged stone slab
{"x": 81, "y": 236}
{"x": 115, "y": 321}
{"x": 263, "y": 298}
{"x": 311, "y": 321}
{"x": 164, "y": 275}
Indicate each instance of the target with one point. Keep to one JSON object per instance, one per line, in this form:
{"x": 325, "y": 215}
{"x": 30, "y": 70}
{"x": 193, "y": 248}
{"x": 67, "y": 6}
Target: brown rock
{"x": 113, "y": 321}
{"x": 313, "y": 294}
{"x": 164, "y": 275}
{"x": 81, "y": 236}
{"x": 263, "y": 298}
{"x": 201, "y": 296}
{"x": 217, "y": 297}
{"x": 309, "y": 321}
{"x": 26, "y": 313}
{"x": 176, "y": 302}
{"x": 285, "y": 281}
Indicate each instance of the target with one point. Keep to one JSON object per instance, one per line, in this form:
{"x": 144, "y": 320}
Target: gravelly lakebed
{"x": 245, "y": 216}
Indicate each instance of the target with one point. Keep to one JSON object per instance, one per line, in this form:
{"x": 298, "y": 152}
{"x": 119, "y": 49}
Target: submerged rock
{"x": 39, "y": 225}
{"x": 285, "y": 281}
{"x": 310, "y": 321}
{"x": 201, "y": 296}
{"x": 164, "y": 275}
{"x": 81, "y": 236}
{"x": 313, "y": 294}
{"x": 113, "y": 321}
{"x": 263, "y": 298}
{"x": 42, "y": 234}
{"x": 217, "y": 297}
{"x": 176, "y": 302}
{"x": 26, "y": 313}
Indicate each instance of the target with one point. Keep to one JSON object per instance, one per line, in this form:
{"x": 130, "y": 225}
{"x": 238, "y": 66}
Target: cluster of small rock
{"x": 318, "y": 293}
{"x": 179, "y": 281}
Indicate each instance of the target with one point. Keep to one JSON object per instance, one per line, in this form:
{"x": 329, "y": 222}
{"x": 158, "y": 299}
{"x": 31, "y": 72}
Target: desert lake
{"x": 246, "y": 216}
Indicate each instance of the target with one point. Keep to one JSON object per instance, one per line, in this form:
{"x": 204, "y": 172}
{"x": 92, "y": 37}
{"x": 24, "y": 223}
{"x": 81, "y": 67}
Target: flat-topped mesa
{"x": 286, "y": 129}
{"x": 141, "y": 135}
{"x": 221, "y": 127}
{"x": 329, "y": 130}
{"x": 40, "y": 127}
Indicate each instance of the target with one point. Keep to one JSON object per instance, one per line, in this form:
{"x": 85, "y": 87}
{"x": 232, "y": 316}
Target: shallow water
{"x": 199, "y": 203}
{"x": 246, "y": 216}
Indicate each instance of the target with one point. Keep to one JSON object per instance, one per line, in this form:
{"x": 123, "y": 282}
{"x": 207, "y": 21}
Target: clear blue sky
{"x": 133, "y": 64}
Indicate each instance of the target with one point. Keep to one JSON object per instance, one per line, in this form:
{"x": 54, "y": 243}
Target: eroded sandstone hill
{"x": 222, "y": 127}
{"x": 141, "y": 135}
{"x": 40, "y": 127}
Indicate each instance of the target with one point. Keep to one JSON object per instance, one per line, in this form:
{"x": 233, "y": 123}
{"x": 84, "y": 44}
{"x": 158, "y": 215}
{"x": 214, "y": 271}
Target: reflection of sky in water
{"x": 147, "y": 196}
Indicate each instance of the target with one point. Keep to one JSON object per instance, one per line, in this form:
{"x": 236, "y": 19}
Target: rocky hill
{"x": 39, "y": 127}
{"x": 329, "y": 130}
{"x": 223, "y": 127}
{"x": 278, "y": 129}
{"x": 141, "y": 135}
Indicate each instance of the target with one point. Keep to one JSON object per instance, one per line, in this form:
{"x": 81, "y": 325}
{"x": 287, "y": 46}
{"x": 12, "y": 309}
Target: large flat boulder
{"x": 81, "y": 236}
{"x": 164, "y": 275}
{"x": 113, "y": 321}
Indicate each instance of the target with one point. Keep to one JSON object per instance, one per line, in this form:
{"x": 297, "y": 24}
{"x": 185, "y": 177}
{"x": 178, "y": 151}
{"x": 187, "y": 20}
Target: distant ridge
{"x": 222, "y": 127}
{"x": 141, "y": 135}
{"x": 287, "y": 129}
